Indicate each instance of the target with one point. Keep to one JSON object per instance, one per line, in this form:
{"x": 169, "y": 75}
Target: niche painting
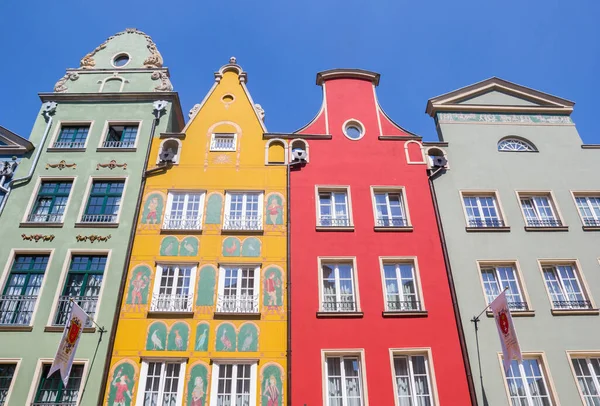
{"x": 225, "y": 340}
{"x": 271, "y": 378}
{"x": 248, "y": 338}
{"x": 178, "y": 337}
{"x": 206, "y": 286}
{"x": 274, "y": 209}
{"x": 197, "y": 385}
{"x": 169, "y": 246}
{"x": 202, "y": 331}
{"x": 189, "y": 247}
{"x": 138, "y": 286}
{"x": 273, "y": 287}
{"x": 156, "y": 339}
{"x": 213, "y": 209}
{"x": 251, "y": 247}
{"x": 153, "y": 209}
{"x": 231, "y": 247}
{"x": 121, "y": 384}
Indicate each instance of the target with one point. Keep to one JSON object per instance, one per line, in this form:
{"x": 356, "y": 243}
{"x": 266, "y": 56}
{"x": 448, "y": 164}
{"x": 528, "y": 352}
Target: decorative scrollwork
{"x": 60, "y": 86}
{"x": 61, "y": 165}
{"x": 92, "y": 238}
{"x": 112, "y": 165}
{"x": 165, "y": 83}
{"x": 37, "y": 237}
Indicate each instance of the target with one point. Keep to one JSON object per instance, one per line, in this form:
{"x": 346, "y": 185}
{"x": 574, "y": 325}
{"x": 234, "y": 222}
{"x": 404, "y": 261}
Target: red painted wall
{"x": 361, "y": 164}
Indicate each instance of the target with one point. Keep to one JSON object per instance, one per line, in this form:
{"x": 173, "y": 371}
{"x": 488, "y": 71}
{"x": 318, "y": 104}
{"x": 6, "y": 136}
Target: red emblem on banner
{"x": 74, "y": 331}
{"x": 503, "y": 321}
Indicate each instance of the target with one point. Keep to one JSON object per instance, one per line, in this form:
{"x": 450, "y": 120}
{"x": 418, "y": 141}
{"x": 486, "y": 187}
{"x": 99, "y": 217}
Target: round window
{"x": 121, "y": 60}
{"x": 353, "y": 130}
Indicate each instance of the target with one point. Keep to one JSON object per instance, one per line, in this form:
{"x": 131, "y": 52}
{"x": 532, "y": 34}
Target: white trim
{"x": 48, "y": 361}
{"x": 118, "y": 54}
{"x": 407, "y": 153}
{"x": 177, "y": 153}
{"x": 86, "y": 195}
{"x": 17, "y": 362}
{"x": 357, "y": 353}
{"x": 353, "y": 122}
{"x": 339, "y": 260}
{"x": 158, "y": 282}
{"x": 291, "y": 148}
{"x": 391, "y": 260}
{"x": 401, "y": 190}
{"x": 61, "y": 123}
{"x": 186, "y": 193}
{"x": 409, "y": 352}
{"x": 115, "y": 76}
{"x": 214, "y": 384}
{"x": 223, "y": 135}
{"x": 36, "y": 189}
{"x": 333, "y": 189}
{"x": 144, "y": 376}
{"x": 377, "y": 109}
{"x": 286, "y": 151}
{"x": 108, "y": 123}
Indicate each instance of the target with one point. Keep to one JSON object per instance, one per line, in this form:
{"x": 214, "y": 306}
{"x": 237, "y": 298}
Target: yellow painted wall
{"x": 227, "y": 109}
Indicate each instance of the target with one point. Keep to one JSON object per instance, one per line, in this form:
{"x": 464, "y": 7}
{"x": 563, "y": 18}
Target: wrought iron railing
{"x": 325, "y": 221}
{"x": 571, "y": 304}
{"x": 118, "y": 144}
{"x": 391, "y": 222}
{"x": 69, "y": 144}
{"x": 54, "y": 403}
{"x": 343, "y": 306}
{"x": 45, "y": 218}
{"x": 486, "y": 222}
{"x": 167, "y": 302}
{"x": 16, "y": 309}
{"x": 87, "y": 303}
{"x": 544, "y": 223}
{"x": 591, "y": 222}
{"x": 518, "y": 306}
{"x": 182, "y": 222}
{"x": 237, "y": 304}
{"x": 99, "y": 218}
{"x": 251, "y": 223}
{"x": 403, "y": 305}
{"x": 222, "y": 144}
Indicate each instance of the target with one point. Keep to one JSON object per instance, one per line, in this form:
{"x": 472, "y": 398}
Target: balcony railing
{"x": 251, "y": 223}
{"x": 54, "y": 403}
{"x": 99, "y": 218}
{"x": 16, "y": 309}
{"x": 343, "y": 306}
{"x": 486, "y": 222}
{"x": 118, "y": 144}
{"x": 69, "y": 144}
{"x": 222, "y": 144}
{"x": 518, "y": 306}
{"x": 167, "y": 302}
{"x": 591, "y": 222}
{"x": 45, "y": 218}
{"x": 571, "y": 304}
{"x": 237, "y": 304}
{"x": 544, "y": 223}
{"x": 391, "y": 222}
{"x": 87, "y": 303}
{"x": 403, "y": 305}
{"x": 325, "y": 221}
{"x": 182, "y": 222}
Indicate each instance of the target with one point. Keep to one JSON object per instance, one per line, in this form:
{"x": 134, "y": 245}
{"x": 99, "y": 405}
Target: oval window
{"x": 121, "y": 60}
{"x": 353, "y": 130}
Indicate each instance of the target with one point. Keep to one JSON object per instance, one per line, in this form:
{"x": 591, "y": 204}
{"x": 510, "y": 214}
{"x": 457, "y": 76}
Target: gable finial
{"x": 232, "y": 60}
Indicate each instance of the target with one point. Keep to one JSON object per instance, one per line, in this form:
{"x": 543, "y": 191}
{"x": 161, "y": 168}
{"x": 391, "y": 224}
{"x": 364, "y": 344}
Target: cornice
{"x": 323, "y": 76}
{"x": 295, "y": 135}
{"x": 478, "y": 108}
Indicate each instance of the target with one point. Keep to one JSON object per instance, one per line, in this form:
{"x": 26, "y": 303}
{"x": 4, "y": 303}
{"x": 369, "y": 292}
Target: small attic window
{"x": 120, "y": 60}
{"x": 353, "y": 129}
{"x": 513, "y": 144}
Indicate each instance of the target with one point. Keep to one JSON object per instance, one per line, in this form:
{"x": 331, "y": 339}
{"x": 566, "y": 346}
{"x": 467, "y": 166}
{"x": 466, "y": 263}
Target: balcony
{"x": 544, "y": 223}
{"x": 403, "y": 306}
{"x": 65, "y": 303}
{"x": 486, "y": 222}
{"x": 68, "y": 144}
{"x": 16, "y": 309}
{"x": 118, "y": 144}
{"x": 99, "y": 218}
{"x": 222, "y": 144}
{"x": 242, "y": 223}
{"x": 244, "y": 304}
{"x": 326, "y": 221}
{"x": 45, "y": 218}
{"x": 172, "y": 303}
{"x": 391, "y": 222}
{"x": 182, "y": 222}
{"x": 345, "y": 306}
{"x": 54, "y": 404}
{"x": 571, "y": 304}
{"x": 518, "y": 306}
{"x": 589, "y": 222}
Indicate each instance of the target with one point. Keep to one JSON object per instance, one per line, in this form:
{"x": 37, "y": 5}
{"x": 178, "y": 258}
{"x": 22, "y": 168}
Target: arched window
{"x": 276, "y": 151}
{"x": 171, "y": 146}
{"x": 298, "y": 145}
{"x": 435, "y": 157}
{"x": 515, "y": 145}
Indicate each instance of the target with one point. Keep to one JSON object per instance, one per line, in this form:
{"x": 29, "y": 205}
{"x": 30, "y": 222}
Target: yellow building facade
{"x": 203, "y": 319}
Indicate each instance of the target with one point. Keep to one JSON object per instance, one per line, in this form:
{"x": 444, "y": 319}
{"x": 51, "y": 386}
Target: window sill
{"x": 170, "y": 315}
{"x": 321, "y": 314}
{"x": 590, "y": 228}
{"x": 60, "y": 329}
{"x": 516, "y": 313}
{"x": 575, "y": 312}
{"x": 96, "y": 225}
{"x": 561, "y": 228}
{"x": 414, "y": 313}
{"x": 180, "y": 231}
{"x": 332, "y": 228}
{"x": 405, "y": 229}
{"x": 40, "y": 225}
{"x": 487, "y": 229}
{"x": 52, "y": 149}
{"x": 228, "y": 231}
{"x": 15, "y": 327}
{"x": 234, "y": 315}
{"x": 105, "y": 149}
{"x": 222, "y": 150}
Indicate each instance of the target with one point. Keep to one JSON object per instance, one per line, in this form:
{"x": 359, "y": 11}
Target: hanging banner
{"x": 506, "y": 330}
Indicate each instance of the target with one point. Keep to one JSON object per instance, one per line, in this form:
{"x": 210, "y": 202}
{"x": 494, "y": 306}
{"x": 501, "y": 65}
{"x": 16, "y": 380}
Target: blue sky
{"x": 421, "y": 48}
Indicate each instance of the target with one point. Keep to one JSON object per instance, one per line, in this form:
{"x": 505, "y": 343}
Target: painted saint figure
{"x": 273, "y": 210}
{"x": 271, "y": 391}
{"x": 198, "y": 392}
{"x": 271, "y": 285}
{"x": 152, "y": 206}
{"x": 120, "y": 383}
{"x": 139, "y": 283}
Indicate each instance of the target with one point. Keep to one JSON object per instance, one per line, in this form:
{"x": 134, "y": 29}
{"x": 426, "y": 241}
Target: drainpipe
{"x": 48, "y": 110}
{"x": 159, "y": 108}
{"x": 461, "y": 333}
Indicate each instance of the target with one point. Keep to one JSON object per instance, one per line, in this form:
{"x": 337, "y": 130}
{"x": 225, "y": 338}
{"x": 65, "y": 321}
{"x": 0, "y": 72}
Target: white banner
{"x": 68, "y": 343}
{"x": 506, "y": 330}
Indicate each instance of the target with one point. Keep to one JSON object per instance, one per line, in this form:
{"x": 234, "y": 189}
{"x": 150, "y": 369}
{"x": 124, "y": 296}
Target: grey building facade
{"x": 519, "y": 201}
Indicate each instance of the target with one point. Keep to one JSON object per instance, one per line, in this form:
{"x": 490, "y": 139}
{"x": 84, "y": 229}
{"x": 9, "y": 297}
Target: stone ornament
{"x": 194, "y": 110}
{"x": 112, "y": 165}
{"x": 502, "y": 118}
{"x": 37, "y": 237}
{"x": 260, "y": 111}
{"x": 60, "y": 86}
{"x": 61, "y": 165}
{"x": 92, "y": 238}
{"x": 165, "y": 83}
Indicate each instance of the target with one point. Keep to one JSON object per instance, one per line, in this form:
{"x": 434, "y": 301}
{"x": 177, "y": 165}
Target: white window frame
{"x": 416, "y": 281}
{"x": 492, "y": 265}
{"x": 126, "y": 123}
{"x": 595, "y": 218}
{"x": 411, "y": 376}
{"x": 144, "y": 377}
{"x": 556, "y": 216}
{"x": 68, "y": 123}
{"x": 213, "y": 142}
{"x": 587, "y": 356}
{"x": 240, "y": 304}
{"x": 188, "y": 303}
{"x": 344, "y": 354}
{"x": 581, "y": 284}
{"x": 17, "y": 363}
{"x": 245, "y": 223}
{"x": 332, "y": 190}
{"x": 35, "y": 194}
{"x": 545, "y": 374}
{"x": 375, "y": 190}
{"x": 48, "y": 361}
{"x": 196, "y": 224}
{"x": 529, "y": 147}
{"x": 214, "y": 384}
{"x": 338, "y": 260}
{"x": 500, "y": 219}
{"x": 86, "y": 199}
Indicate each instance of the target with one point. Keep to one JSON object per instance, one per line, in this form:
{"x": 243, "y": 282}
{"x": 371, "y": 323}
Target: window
{"x": 72, "y": 136}
{"x": 184, "y": 211}
{"x": 338, "y": 290}
{"x": 83, "y": 284}
{"x": 51, "y": 391}
{"x": 174, "y": 288}
{"x": 51, "y": 202}
{"x": 389, "y": 209}
{"x": 353, "y": 129}
{"x": 22, "y": 289}
{"x": 121, "y": 136}
{"x": 333, "y": 209}
{"x": 400, "y": 287}
{"x": 413, "y": 384}
{"x": 243, "y": 211}
{"x": 238, "y": 289}
{"x": 104, "y": 202}
{"x": 515, "y": 145}
{"x": 233, "y": 384}
{"x": 539, "y": 211}
{"x": 587, "y": 373}
{"x": 169, "y": 152}
{"x": 589, "y": 210}
{"x": 7, "y": 373}
{"x": 223, "y": 142}
{"x": 564, "y": 287}
{"x": 497, "y": 277}
{"x": 344, "y": 381}
{"x": 527, "y": 385}
{"x": 120, "y": 60}
{"x": 482, "y": 211}
{"x": 161, "y": 383}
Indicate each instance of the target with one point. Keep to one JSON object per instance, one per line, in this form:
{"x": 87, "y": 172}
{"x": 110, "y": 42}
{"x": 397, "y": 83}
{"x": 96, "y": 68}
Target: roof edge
{"x": 16, "y": 138}
{"x": 348, "y": 73}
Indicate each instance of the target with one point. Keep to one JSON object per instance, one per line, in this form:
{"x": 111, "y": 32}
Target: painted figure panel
{"x": 231, "y": 247}
{"x": 189, "y": 247}
{"x": 202, "y": 336}
{"x": 206, "y": 286}
{"x": 248, "y": 338}
{"x": 169, "y": 246}
{"x": 251, "y": 247}
{"x": 178, "y": 337}
{"x": 214, "y": 206}
{"x": 153, "y": 209}
{"x": 197, "y": 385}
{"x": 274, "y": 209}
{"x": 273, "y": 287}
{"x": 138, "y": 285}
{"x": 156, "y": 338}
{"x": 121, "y": 384}
{"x": 226, "y": 337}
{"x": 271, "y": 378}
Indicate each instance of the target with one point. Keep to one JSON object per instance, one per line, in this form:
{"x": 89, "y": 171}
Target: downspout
{"x": 158, "y": 110}
{"x": 289, "y": 286}
{"x": 48, "y": 110}
{"x": 461, "y": 333}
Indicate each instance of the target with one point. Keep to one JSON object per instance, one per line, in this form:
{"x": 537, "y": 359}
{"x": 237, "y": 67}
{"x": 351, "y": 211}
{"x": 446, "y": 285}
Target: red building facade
{"x": 372, "y": 320}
